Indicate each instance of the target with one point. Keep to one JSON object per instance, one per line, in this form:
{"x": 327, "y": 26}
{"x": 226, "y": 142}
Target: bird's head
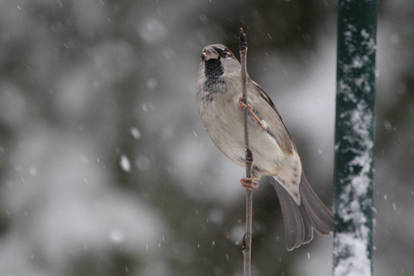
{"x": 218, "y": 61}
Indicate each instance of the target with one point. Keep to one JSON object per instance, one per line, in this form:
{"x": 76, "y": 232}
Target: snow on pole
{"x": 354, "y": 138}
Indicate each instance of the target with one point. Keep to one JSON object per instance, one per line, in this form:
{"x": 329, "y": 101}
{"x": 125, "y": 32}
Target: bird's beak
{"x": 208, "y": 54}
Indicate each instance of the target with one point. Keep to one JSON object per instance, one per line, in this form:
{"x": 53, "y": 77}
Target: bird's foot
{"x": 243, "y": 105}
{"x": 249, "y": 183}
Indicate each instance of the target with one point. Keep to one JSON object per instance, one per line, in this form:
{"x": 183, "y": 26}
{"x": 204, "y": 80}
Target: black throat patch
{"x": 213, "y": 70}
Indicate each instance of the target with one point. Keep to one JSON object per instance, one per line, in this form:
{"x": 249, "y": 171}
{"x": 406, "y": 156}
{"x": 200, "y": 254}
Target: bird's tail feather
{"x": 299, "y": 221}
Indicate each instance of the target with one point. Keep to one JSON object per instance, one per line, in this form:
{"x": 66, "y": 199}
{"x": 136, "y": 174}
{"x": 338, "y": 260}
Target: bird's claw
{"x": 249, "y": 183}
{"x": 243, "y": 105}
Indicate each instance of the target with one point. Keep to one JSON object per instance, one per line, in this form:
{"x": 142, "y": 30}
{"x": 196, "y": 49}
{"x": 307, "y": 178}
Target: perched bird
{"x": 219, "y": 92}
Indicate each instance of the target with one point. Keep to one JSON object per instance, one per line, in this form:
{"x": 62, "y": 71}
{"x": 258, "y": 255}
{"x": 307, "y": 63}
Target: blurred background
{"x": 105, "y": 168}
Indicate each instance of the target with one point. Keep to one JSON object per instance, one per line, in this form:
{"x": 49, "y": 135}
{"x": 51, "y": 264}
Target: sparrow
{"x": 219, "y": 93}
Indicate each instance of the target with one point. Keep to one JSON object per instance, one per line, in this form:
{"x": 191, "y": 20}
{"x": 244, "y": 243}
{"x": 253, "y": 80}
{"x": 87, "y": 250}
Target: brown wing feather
{"x": 269, "y": 101}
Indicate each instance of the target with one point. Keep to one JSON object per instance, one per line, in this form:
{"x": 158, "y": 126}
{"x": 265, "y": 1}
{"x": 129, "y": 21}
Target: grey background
{"x": 105, "y": 168}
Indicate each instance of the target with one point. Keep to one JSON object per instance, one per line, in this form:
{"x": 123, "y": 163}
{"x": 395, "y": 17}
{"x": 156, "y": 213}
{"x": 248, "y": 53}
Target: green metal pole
{"x": 354, "y": 138}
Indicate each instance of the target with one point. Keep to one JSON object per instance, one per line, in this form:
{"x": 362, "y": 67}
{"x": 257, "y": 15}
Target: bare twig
{"x": 247, "y": 240}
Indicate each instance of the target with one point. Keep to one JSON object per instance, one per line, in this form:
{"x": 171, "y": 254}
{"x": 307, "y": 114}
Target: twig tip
{"x": 243, "y": 39}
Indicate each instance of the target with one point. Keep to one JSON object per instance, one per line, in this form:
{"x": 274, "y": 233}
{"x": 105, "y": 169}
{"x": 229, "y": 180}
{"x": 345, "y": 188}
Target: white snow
{"x": 152, "y": 83}
{"x": 144, "y": 107}
{"x": 152, "y": 30}
{"x": 125, "y": 164}
{"x": 236, "y": 233}
{"x": 265, "y": 125}
{"x": 215, "y": 216}
{"x": 352, "y": 246}
{"x": 33, "y": 171}
{"x": 135, "y": 133}
{"x": 356, "y": 263}
{"x": 116, "y": 236}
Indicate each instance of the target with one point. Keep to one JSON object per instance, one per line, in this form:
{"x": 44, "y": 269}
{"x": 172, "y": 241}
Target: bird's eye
{"x": 228, "y": 53}
{"x": 222, "y": 52}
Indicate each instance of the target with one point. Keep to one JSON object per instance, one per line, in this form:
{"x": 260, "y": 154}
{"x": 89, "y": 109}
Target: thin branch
{"x": 247, "y": 240}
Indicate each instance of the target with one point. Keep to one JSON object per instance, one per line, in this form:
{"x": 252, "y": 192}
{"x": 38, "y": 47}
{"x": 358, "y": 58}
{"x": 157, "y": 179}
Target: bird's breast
{"x": 224, "y": 121}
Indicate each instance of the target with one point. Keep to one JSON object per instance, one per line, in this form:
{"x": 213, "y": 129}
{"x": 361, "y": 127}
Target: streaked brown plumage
{"x": 274, "y": 153}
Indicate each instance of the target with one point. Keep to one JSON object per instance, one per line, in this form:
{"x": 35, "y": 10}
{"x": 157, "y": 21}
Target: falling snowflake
{"x": 135, "y": 133}
{"x": 125, "y": 164}
{"x": 116, "y": 236}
